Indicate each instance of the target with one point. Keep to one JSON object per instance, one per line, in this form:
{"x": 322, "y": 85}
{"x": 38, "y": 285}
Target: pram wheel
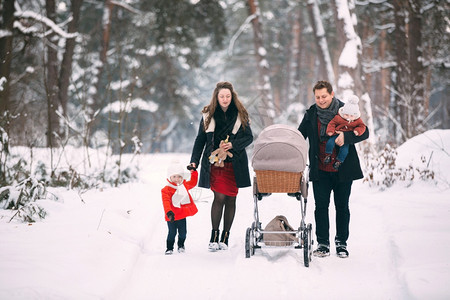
{"x": 307, "y": 245}
{"x": 249, "y": 243}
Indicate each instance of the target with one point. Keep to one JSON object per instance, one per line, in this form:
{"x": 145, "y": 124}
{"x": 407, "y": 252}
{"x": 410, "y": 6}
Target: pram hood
{"x": 280, "y": 148}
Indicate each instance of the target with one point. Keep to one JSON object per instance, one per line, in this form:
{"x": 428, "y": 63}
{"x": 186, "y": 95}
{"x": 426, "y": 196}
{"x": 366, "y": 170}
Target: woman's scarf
{"x": 224, "y": 123}
{"x": 325, "y": 116}
{"x": 181, "y": 195}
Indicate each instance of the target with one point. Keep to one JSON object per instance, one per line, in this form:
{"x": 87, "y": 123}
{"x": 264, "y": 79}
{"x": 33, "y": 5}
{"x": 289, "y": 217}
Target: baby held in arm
{"x": 347, "y": 119}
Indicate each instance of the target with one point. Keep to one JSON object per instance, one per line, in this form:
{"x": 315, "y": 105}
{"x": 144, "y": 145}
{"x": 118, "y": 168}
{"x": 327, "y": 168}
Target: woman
{"x": 225, "y": 124}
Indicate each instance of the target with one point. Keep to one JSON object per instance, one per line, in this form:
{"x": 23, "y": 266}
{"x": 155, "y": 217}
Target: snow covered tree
{"x": 127, "y": 69}
{"x": 65, "y": 72}
{"x": 326, "y": 67}
{"x": 97, "y": 102}
{"x": 266, "y": 108}
{"x": 51, "y": 78}
{"x": 409, "y": 81}
{"x": 150, "y": 64}
{"x": 350, "y": 80}
{"x": 31, "y": 27}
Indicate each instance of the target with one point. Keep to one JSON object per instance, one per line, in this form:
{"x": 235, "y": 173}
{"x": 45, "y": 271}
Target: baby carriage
{"x": 279, "y": 161}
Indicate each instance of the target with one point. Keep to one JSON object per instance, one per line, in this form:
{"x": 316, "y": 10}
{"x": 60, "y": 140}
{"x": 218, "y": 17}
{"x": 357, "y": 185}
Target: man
{"x": 325, "y": 178}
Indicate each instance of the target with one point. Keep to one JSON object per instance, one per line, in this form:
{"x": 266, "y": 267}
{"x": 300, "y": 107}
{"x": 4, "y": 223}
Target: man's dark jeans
{"x": 328, "y": 181}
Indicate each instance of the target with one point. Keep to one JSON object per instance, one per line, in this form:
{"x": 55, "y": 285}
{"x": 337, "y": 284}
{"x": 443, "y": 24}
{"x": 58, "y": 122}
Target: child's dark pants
{"x": 180, "y": 226}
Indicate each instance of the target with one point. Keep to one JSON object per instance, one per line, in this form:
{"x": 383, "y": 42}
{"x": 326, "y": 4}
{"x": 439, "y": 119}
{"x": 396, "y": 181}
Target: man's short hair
{"x": 322, "y": 84}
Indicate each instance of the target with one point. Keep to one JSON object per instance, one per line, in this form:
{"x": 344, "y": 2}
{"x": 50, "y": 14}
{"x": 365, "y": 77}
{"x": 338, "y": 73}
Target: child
{"x": 347, "y": 119}
{"x": 178, "y": 204}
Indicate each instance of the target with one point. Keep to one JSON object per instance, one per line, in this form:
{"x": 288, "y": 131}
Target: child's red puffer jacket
{"x": 185, "y": 210}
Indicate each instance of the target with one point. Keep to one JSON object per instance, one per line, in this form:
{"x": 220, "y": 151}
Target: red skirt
{"x": 222, "y": 180}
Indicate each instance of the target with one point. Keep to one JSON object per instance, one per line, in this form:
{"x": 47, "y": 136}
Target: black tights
{"x": 221, "y": 200}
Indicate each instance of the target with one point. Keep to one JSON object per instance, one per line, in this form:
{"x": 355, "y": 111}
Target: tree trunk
{"x": 368, "y": 55}
{"x": 52, "y": 80}
{"x": 297, "y": 47}
{"x": 96, "y": 103}
{"x": 402, "y": 82}
{"x": 287, "y": 81}
{"x": 266, "y": 109}
{"x": 384, "y": 74}
{"x": 418, "y": 71}
{"x": 340, "y": 41}
{"x": 348, "y": 63}
{"x": 6, "y": 56}
{"x": 326, "y": 67}
{"x": 66, "y": 64}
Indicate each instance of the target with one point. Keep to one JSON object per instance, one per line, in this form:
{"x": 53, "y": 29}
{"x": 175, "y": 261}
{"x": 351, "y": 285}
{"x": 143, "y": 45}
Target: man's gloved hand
{"x": 171, "y": 216}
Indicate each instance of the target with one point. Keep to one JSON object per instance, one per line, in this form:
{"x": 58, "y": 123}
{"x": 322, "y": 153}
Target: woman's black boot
{"x": 214, "y": 241}
{"x": 223, "y": 244}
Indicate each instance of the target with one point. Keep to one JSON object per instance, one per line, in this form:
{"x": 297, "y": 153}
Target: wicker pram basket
{"x": 279, "y": 159}
{"x": 278, "y": 181}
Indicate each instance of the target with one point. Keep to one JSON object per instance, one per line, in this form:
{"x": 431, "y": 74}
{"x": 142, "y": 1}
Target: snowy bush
{"x": 29, "y": 172}
{"x": 119, "y": 175}
{"x": 23, "y": 197}
{"x": 17, "y": 170}
{"x": 64, "y": 177}
{"x": 382, "y": 170}
{"x": 72, "y": 168}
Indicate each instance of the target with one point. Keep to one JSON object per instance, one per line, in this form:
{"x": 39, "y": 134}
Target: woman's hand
{"x": 226, "y": 146}
{"x": 192, "y": 167}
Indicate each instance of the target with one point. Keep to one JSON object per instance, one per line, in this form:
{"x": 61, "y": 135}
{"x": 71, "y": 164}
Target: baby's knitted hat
{"x": 351, "y": 107}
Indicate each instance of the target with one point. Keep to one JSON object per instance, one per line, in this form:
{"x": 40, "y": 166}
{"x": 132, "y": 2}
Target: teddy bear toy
{"x": 219, "y": 155}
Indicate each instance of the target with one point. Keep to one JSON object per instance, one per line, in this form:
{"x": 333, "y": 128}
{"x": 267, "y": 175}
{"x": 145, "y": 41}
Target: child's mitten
{"x": 171, "y": 216}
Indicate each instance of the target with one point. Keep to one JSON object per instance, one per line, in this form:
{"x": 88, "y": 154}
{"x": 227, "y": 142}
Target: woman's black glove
{"x": 171, "y": 216}
{"x": 191, "y": 167}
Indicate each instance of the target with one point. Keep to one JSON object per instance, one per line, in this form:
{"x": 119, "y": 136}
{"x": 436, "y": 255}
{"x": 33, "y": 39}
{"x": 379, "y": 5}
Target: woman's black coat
{"x": 350, "y": 168}
{"x": 204, "y": 144}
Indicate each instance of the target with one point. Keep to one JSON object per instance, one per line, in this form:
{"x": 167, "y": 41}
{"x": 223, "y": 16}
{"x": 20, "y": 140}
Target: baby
{"x": 347, "y": 119}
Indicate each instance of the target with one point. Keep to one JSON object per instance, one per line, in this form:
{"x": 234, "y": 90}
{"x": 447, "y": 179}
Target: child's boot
{"x": 214, "y": 241}
{"x": 169, "y": 249}
{"x": 337, "y": 164}
{"x": 181, "y": 248}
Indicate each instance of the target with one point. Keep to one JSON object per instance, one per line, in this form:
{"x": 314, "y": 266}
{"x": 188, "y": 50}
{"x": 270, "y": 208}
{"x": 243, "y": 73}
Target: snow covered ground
{"x": 111, "y": 245}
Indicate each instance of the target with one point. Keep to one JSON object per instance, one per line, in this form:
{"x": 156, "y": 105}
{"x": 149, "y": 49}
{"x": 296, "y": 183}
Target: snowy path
{"x": 112, "y": 247}
{"x": 374, "y": 269}
{"x": 268, "y": 274}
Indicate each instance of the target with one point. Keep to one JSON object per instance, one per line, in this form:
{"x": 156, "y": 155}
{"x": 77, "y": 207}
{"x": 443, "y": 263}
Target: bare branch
{"x": 241, "y": 29}
{"x": 126, "y": 6}
{"x": 392, "y": 118}
{"x": 44, "y": 20}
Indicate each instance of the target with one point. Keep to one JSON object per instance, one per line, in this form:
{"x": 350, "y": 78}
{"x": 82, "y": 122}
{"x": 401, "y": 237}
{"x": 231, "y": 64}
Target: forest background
{"x": 131, "y": 76}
